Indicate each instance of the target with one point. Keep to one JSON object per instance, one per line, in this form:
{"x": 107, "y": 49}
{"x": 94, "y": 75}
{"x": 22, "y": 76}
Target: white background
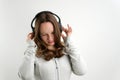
{"x": 96, "y": 30}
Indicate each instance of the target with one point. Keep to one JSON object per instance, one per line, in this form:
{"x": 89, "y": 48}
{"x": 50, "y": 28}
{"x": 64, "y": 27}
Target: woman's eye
{"x": 43, "y": 34}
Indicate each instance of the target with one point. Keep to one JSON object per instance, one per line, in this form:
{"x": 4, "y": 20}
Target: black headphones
{"x": 59, "y": 20}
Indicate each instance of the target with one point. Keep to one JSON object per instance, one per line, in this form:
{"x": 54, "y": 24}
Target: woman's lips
{"x": 50, "y": 42}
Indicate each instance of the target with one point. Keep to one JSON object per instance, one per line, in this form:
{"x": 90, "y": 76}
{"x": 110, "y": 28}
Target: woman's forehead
{"x": 46, "y": 27}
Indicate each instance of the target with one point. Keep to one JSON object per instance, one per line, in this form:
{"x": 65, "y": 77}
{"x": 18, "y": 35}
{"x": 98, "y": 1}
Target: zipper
{"x": 57, "y": 68}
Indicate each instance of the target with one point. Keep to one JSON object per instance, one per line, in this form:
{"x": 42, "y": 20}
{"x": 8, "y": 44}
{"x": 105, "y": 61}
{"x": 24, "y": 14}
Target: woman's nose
{"x": 50, "y": 37}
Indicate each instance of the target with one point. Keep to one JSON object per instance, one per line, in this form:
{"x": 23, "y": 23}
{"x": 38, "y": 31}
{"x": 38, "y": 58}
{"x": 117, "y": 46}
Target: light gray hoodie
{"x": 33, "y": 68}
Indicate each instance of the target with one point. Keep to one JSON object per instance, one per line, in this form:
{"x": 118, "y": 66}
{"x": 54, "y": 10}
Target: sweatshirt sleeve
{"x": 26, "y": 70}
{"x": 79, "y": 66}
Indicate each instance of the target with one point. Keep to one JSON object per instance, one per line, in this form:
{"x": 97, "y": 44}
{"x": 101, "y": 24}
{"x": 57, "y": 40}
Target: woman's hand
{"x": 30, "y": 36}
{"x": 67, "y": 31}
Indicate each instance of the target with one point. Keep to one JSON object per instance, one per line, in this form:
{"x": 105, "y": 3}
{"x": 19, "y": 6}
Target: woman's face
{"x": 47, "y": 33}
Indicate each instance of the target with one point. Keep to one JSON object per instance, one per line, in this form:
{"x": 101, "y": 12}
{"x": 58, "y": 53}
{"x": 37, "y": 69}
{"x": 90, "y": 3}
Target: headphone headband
{"x": 59, "y": 20}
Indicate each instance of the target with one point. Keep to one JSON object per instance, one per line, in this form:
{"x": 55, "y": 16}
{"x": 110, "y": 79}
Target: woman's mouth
{"x": 51, "y": 42}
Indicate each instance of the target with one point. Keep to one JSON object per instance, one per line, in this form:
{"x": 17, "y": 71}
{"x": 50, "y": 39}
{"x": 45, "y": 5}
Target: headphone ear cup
{"x": 60, "y": 26}
{"x": 33, "y": 30}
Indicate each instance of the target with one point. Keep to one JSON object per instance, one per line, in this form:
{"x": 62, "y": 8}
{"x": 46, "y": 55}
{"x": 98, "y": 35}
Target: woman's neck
{"x": 51, "y": 48}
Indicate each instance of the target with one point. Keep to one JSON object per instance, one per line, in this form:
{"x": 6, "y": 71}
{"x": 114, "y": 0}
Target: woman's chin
{"x": 51, "y": 44}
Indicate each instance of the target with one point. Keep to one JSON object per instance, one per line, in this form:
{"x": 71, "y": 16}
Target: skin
{"x": 47, "y": 34}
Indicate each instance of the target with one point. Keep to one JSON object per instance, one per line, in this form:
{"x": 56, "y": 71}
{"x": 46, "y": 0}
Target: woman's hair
{"x": 42, "y": 49}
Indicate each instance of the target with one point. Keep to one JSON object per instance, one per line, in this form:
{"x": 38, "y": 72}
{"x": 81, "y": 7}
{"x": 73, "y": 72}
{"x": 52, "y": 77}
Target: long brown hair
{"x": 42, "y": 50}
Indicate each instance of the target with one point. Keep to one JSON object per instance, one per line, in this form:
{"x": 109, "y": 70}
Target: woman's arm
{"x": 78, "y": 64}
{"x": 26, "y": 70}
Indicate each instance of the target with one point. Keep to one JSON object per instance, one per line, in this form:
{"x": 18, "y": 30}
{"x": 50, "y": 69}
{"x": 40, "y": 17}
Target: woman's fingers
{"x": 67, "y": 30}
{"x": 29, "y": 36}
{"x": 64, "y": 29}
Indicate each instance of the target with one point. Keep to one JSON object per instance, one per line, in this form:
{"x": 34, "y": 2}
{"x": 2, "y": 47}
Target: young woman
{"x": 47, "y": 57}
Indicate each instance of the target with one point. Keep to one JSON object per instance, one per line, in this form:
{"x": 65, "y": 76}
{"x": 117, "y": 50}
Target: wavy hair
{"x": 42, "y": 50}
